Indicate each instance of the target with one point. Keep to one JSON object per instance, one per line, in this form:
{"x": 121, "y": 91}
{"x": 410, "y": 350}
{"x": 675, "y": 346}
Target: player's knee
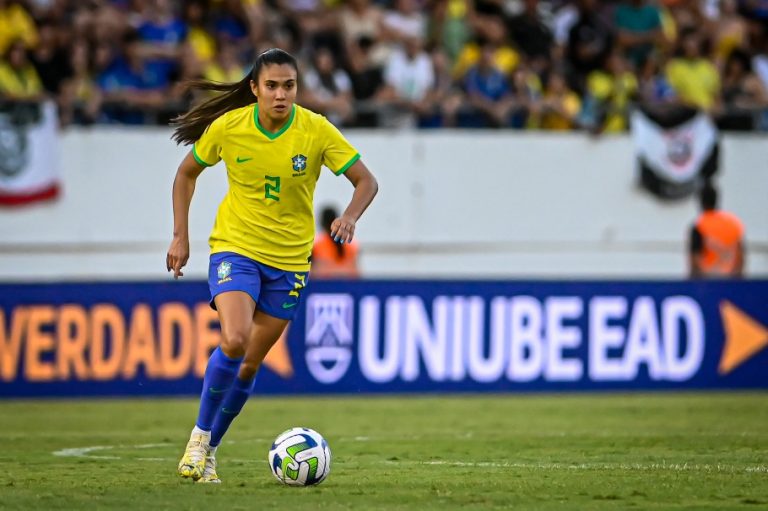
{"x": 233, "y": 343}
{"x": 248, "y": 369}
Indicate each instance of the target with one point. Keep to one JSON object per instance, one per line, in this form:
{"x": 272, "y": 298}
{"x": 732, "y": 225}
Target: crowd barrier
{"x": 140, "y": 339}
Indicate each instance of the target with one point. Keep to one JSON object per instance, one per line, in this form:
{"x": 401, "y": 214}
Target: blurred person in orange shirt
{"x": 331, "y": 259}
{"x": 716, "y": 247}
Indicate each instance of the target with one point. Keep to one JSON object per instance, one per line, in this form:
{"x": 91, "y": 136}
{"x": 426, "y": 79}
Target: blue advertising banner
{"x": 94, "y": 339}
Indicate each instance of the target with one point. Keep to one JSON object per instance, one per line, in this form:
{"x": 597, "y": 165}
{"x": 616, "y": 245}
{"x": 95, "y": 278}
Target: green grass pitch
{"x": 599, "y": 451}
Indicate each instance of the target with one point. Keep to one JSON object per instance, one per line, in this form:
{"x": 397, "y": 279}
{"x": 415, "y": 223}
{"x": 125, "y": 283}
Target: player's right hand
{"x": 343, "y": 229}
{"x": 177, "y": 257}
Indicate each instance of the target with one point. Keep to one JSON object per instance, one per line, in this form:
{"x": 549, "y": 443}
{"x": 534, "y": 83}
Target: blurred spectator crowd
{"x": 524, "y": 64}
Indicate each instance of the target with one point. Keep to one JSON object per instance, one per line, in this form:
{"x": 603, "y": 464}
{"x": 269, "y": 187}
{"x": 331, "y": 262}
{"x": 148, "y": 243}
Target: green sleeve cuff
{"x": 349, "y": 164}
{"x": 198, "y": 159}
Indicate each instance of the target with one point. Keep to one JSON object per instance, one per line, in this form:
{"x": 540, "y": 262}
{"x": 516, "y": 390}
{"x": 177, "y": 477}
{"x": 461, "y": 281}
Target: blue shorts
{"x": 276, "y": 292}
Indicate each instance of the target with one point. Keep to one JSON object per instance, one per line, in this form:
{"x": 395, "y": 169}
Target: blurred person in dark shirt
{"x": 639, "y": 29}
{"x": 744, "y": 96}
{"x": 366, "y": 74}
{"x": 50, "y": 59}
{"x": 532, "y": 35}
{"x": 589, "y": 43}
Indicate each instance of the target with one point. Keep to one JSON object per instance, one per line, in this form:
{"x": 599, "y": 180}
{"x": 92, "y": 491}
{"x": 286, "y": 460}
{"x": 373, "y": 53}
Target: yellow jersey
{"x": 616, "y": 92}
{"x": 19, "y": 84}
{"x": 268, "y": 212}
{"x": 16, "y": 23}
{"x": 696, "y": 81}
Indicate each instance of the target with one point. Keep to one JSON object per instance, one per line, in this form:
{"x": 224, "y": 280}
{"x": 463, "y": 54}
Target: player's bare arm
{"x": 183, "y": 189}
{"x": 366, "y": 187}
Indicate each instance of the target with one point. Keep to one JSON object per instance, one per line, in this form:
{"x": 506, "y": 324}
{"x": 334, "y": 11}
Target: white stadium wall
{"x": 453, "y": 204}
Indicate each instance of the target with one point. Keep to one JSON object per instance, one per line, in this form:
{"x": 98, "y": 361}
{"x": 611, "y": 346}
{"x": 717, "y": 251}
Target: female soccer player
{"x": 262, "y": 237}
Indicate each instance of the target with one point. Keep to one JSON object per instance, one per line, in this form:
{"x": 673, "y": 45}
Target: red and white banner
{"x": 29, "y": 165}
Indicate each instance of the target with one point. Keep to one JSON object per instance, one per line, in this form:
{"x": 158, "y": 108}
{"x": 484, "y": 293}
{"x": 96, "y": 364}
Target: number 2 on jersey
{"x": 271, "y": 189}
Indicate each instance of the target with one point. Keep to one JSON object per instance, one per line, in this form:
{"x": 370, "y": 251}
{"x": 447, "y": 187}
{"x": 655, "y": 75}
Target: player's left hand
{"x": 343, "y": 229}
{"x": 178, "y": 255}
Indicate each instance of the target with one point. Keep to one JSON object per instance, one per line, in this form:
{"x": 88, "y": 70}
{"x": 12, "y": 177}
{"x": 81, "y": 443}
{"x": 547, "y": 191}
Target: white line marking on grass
{"x": 674, "y": 467}
{"x": 85, "y": 452}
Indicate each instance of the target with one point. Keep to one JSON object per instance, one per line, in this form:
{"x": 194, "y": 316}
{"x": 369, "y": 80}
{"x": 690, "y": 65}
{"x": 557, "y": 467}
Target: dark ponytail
{"x": 190, "y": 126}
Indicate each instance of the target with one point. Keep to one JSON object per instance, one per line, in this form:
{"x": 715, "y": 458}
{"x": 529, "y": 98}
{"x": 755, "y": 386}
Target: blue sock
{"x": 219, "y": 375}
{"x": 230, "y": 408}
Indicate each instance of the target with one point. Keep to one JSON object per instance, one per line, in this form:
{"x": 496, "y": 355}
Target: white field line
{"x": 86, "y": 452}
{"x": 673, "y": 467}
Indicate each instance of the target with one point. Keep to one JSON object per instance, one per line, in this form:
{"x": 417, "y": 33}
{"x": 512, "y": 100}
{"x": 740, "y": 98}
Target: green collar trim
{"x": 269, "y": 134}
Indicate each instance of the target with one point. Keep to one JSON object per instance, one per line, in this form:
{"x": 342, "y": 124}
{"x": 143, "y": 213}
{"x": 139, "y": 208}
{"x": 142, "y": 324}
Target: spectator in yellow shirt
{"x": 694, "y": 78}
{"x": 494, "y": 33}
{"x": 15, "y": 24}
{"x": 225, "y": 67}
{"x": 559, "y": 107}
{"x": 199, "y": 36}
{"x": 609, "y": 93}
{"x": 18, "y": 78}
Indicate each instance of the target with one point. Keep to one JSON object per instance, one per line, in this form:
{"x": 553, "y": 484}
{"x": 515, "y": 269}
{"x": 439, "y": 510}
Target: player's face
{"x": 276, "y": 91}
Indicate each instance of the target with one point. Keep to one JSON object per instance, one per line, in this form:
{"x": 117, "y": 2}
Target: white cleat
{"x": 209, "y": 474}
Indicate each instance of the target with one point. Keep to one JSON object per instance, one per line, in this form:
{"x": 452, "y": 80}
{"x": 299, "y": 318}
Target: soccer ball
{"x": 300, "y": 457}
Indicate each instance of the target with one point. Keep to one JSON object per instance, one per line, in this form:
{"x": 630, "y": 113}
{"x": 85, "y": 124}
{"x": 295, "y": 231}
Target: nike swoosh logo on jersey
{"x": 243, "y": 160}
{"x": 216, "y": 391}
{"x": 289, "y": 305}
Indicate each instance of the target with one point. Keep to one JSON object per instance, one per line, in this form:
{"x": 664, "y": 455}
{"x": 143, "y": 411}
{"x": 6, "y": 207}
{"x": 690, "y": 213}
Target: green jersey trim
{"x": 198, "y": 159}
{"x": 349, "y": 164}
{"x": 269, "y": 134}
